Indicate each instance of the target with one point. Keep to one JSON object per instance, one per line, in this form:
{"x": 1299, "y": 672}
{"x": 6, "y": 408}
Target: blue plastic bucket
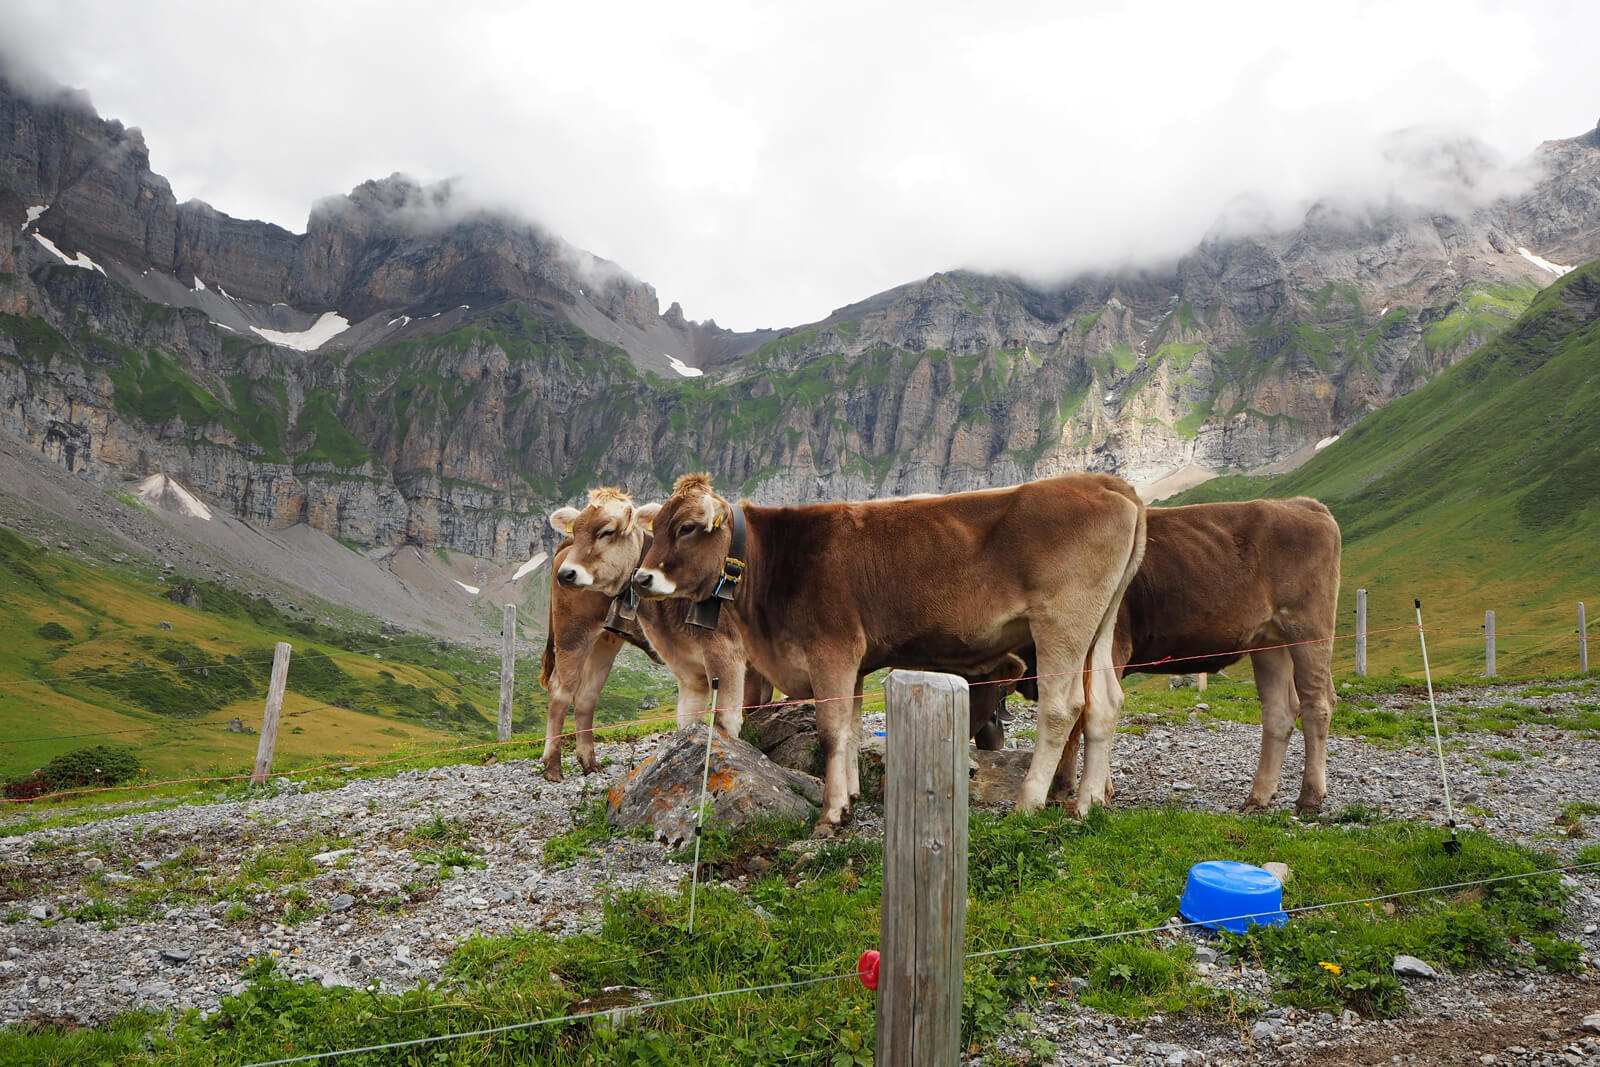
{"x": 1221, "y": 891}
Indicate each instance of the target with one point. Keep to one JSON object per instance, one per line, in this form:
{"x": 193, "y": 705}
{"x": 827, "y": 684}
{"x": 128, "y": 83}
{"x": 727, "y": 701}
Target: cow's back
{"x": 1214, "y": 575}
{"x": 935, "y": 579}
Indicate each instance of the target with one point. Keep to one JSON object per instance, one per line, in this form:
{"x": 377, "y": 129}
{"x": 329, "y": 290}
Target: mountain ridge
{"x": 415, "y": 370}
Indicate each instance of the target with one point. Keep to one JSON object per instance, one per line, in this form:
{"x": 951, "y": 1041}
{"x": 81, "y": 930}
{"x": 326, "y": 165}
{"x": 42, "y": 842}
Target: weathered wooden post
{"x": 924, "y": 925}
{"x": 508, "y": 666}
{"x": 1583, "y": 642}
{"x": 1200, "y": 681}
{"x": 1488, "y": 644}
{"x": 269, "y": 718}
{"x": 1361, "y": 632}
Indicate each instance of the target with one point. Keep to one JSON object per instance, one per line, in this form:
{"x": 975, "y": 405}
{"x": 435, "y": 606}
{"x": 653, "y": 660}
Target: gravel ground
{"x": 383, "y": 914}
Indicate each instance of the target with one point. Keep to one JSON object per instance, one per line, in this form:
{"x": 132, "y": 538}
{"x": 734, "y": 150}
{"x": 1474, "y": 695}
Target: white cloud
{"x": 763, "y": 164}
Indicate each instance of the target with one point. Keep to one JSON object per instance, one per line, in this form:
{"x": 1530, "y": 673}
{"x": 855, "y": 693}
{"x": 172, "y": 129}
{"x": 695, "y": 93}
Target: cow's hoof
{"x": 1308, "y": 806}
{"x": 1252, "y": 804}
{"x": 589, "y": 766}
{"x": 552, "y": 772}
{"x": 824, "y": 830}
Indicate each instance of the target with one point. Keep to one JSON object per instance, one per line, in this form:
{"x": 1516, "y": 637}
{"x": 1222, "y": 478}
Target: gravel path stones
{"x": 390, "y": 883}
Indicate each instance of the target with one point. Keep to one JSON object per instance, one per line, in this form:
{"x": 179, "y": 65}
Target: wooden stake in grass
{"x": 924, "y": 928}
{"x": 508, "y": 667}
{"x": 269, "y": 718}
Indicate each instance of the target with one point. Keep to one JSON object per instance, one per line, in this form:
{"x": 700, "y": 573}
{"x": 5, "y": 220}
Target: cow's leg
{"x": 694, "y": 697}
{"x": 1103, "y": 705}
{"x": 984, "y": 701}
{"x": 555, "y": 723}
{"x": 1274, "y": 671}
{"x": 853, "y": 767}
{"x": 1066, "y": 780}
{"x": 834, "y": 691}
{"x": 757, "y": 690}
{"x": 595, "y": 673}
{"x": 729, "y": 672}
{"x": 1060, "y": 704}
{"x": 1313, "y": 685}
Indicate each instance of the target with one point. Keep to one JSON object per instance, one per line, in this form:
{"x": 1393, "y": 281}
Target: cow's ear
{"x": 714, "y": 511}
{"x": 645, "y": 516}
{"x": 562, "y": 519}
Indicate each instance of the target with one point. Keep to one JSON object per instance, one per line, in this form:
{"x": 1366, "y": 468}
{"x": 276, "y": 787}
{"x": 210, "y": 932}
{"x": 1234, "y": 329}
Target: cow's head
{"x": 607, "y": 537}
{"x": 692, "y": 534}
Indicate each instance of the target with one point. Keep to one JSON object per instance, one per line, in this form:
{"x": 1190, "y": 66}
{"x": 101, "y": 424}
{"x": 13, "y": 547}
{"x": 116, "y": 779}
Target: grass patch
{"x": 1033, "y": 879}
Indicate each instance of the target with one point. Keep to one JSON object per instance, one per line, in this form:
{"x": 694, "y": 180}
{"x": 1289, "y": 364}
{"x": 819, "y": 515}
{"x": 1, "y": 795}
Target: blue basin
{"x": 1232, "y": 896}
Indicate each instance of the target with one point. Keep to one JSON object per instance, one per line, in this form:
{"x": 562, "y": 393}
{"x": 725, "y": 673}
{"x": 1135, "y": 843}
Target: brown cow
{"x": 608, "y": 538}
{"x": 831, "y": 591}
{"x": 578, "y": 653}
{"x": 1221, "y": 578}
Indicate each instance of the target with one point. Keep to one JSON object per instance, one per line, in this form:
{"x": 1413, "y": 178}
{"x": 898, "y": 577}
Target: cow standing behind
{"x": 833, "y": 591}
{"x": 608, "y": 538}
{"x": 578, "y": 653}
{"x": 1218, "y": 580}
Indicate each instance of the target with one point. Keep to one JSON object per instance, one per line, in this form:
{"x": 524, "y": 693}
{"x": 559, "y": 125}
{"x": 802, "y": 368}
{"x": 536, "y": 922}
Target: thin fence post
{"x": 269, "y": 717}
{"x": 1361, "y": 632}
{"x": 1200, "y": 681}
{"x": 1488, "y": 644}
{"x": 1583, "y": 642}
{"x": 508, "y": 666}
{"x": 924, "y": 927}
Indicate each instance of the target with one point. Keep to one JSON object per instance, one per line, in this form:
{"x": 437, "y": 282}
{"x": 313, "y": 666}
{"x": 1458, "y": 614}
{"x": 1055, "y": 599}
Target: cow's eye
{"x": 604, "y": 533}
{"x": 686, "y": 529}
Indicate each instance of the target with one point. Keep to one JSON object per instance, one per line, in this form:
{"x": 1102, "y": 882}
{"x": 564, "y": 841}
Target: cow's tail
{"x": 547, "y": 665}
{"x": 1101, "y": 654}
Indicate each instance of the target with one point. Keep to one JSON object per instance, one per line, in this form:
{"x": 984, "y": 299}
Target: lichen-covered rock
{"x": 663, "y": 792}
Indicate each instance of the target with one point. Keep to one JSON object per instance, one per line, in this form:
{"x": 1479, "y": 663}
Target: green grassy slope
{"x": 1480, "y": 491}
{"x": 90, "y": 651}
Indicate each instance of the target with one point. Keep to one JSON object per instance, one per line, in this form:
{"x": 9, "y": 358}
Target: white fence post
{"x": 508, "y": 667}
{"x": 924, "y": 927}
{"x": 1488, "y": 644}
{"x": 1361, "y": 632}
{"x": 269, "y": 717}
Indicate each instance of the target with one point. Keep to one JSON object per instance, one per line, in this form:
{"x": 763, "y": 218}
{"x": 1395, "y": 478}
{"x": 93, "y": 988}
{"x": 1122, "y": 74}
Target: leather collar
{"x": 705, "y": 613}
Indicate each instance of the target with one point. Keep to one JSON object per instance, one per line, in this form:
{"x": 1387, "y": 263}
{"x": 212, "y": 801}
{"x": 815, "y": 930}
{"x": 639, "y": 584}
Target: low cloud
{"x": 765, "y": 164}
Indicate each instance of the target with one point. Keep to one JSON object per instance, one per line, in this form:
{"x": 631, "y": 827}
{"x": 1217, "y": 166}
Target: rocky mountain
{"x": 414, "y": 369}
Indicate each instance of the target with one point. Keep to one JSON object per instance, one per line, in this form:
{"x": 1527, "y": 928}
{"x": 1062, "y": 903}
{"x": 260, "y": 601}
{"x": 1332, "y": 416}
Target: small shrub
{"x": 54, "y": 631}
{"x": 97, "y": 765}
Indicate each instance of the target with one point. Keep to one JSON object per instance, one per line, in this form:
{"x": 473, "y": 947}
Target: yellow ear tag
{"x": 569, "y": 527}
{"x": 716, "y": 522}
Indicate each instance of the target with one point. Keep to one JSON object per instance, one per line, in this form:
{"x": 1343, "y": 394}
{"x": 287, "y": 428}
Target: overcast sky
{"x": 765, "y": 163}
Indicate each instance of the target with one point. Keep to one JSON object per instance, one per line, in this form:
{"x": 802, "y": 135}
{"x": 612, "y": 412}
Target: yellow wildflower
{"x": 1331, "y": 968}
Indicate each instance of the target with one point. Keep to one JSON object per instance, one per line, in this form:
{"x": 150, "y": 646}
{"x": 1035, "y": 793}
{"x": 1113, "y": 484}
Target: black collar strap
{"x": 704, "y": 613}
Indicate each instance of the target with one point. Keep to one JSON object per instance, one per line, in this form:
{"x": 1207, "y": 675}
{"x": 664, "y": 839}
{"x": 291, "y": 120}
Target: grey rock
{"x": 1265, "y": 1030}
{"x": 1592, "y": 1023}
{"x": 328, "y": 859}
{"x": 341, "y": 903}
{"x": 177, "y": 955}
{"x": 1411, "y": 967}
{"x": 665, "y": 794}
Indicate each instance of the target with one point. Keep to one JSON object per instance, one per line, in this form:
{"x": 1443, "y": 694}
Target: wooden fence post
{"x": 924, "y": 925}
{"x": 1488, "y": 644}
{"x": 508, "y": 666}
{"x": 1200, "y": 681}
{"x": 1361, "y": 632}
{"x": 1583, "y": 642}
{"x": 269, "y": 718}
